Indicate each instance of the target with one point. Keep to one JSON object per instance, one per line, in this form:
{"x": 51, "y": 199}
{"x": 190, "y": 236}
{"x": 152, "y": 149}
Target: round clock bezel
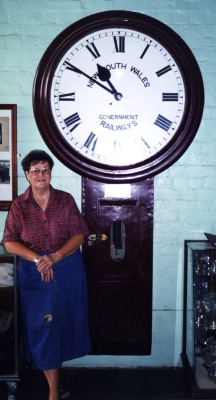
{"x": 194, "y": 93}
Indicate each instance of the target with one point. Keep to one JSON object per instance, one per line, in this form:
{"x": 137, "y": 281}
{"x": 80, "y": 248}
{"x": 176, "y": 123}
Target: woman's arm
{"x": 68, "y": 248}
{"x": 46, "y": 262}
{"x": 20, "y": 250}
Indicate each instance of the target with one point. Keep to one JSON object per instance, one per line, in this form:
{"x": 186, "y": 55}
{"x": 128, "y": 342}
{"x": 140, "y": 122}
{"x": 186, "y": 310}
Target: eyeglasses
{"x": 37, "y": 171}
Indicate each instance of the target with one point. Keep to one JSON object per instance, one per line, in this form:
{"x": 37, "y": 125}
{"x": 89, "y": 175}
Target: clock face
{"x": 114, "y": 96}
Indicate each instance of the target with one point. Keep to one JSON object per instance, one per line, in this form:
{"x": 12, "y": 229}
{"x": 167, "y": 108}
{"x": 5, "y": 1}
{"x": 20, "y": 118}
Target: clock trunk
{"x": 118, "y": 258}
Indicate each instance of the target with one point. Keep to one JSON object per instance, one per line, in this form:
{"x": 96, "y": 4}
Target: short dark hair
{"x": 35, "y": 157}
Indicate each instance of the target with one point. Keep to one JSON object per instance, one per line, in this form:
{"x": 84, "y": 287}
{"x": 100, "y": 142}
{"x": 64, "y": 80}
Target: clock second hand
{"x": 117, "y": 95}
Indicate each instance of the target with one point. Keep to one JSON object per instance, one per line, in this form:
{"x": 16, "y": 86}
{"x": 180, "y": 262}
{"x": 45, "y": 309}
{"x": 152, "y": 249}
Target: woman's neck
{"x": 37, "y": 192}
{"x": 41, "y": 196}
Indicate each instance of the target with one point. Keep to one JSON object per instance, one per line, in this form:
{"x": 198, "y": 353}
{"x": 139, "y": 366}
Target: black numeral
{"x": 93, "y": 50}
{"x": 91, "y": 141}
{"x": 163, "y": 71}
{"x": 72, "y": 121}
{"x": 67, "y": 97}
{"x": 163, "y": 122}
{"x": 145, "y": 50}
{"x": 119, "y": 42}
{"x": 72, "y": 67}
{"x": 169, "y": 96}
{"x": 145, "y": 143}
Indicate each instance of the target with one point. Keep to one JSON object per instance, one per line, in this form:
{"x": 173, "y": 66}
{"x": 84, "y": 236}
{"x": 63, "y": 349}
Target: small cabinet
{"x": 199, "y": 318}
{"x": 9, "y": 322}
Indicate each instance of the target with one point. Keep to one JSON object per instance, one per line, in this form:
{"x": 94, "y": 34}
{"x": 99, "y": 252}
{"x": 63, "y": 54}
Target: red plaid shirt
{"x": 44, "y": 231}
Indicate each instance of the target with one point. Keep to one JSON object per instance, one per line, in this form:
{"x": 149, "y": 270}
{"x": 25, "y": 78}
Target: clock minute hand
{"x": 71, "y": 67}
{"x": 104, "y": 75}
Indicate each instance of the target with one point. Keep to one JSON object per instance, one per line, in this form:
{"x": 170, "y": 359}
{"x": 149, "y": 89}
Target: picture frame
{"x": 8, "y": 155}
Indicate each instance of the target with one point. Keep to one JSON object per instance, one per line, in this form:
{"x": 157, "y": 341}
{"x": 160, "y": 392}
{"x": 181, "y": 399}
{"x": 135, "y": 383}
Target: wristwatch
{"x": 118, "y": 96}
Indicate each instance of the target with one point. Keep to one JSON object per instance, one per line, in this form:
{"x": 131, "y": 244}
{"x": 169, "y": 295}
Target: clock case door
{"x": 119, "y": 266}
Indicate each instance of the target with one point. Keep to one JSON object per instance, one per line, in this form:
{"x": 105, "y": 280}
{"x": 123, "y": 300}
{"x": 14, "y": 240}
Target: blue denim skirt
{"x": 54, "y": 314}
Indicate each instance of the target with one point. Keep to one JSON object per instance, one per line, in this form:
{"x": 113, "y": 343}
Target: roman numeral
{"x": 169, "y": 96}
{"x": 163, "y": 71}
{"x": 145, "y": 50}
{"x": 91, "y": 141}
{"x": 67, "y": 97}
{"x": 117, "y": 146}
{"x": 72, "y": 67}
{"x": 163, "y": 122}
{"x": 93, "y": 50}
{"x": 145, "y": 143}
{"x": 72, "y": 121}
{"x": 119, "y": 42}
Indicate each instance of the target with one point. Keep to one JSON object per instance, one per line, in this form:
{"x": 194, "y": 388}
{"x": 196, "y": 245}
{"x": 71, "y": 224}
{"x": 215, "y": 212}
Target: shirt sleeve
{"x": 13, "y": 225}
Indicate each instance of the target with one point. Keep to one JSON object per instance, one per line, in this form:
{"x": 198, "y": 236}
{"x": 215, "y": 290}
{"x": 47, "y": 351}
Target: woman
{"x": 45, "y": 229}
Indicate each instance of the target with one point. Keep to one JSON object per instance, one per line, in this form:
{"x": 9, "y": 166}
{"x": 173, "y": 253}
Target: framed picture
{"x": 8, "y": 155}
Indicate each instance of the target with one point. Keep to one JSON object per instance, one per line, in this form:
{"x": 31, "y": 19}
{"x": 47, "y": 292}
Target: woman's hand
{"x": 45, "y": 267}
{"x": 45, "y": 263}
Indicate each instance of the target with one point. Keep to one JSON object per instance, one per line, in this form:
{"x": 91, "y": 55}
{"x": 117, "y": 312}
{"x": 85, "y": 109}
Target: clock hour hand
{"x": 104, "y": 75}
{"x": 71, "y": 67}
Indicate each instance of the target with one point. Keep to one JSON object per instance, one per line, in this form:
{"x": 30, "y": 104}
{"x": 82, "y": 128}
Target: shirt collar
{"x": 28, "y": 193}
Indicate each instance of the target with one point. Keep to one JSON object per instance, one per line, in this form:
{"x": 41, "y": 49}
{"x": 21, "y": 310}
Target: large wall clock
{"x": 118, "y": 96}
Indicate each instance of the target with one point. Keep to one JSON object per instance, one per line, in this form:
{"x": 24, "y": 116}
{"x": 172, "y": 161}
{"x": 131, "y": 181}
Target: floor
{"x": 109, "y": 384}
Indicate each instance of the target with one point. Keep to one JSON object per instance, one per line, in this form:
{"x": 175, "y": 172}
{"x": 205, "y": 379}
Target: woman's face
{"x": 39, "y": 175}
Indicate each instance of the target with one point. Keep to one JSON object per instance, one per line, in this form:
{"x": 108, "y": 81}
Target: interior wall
{"x": 185, "y": 194}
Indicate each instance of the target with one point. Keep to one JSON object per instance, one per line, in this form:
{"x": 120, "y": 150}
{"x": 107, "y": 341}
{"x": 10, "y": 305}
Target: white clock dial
{"x": 117, "y": 97}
